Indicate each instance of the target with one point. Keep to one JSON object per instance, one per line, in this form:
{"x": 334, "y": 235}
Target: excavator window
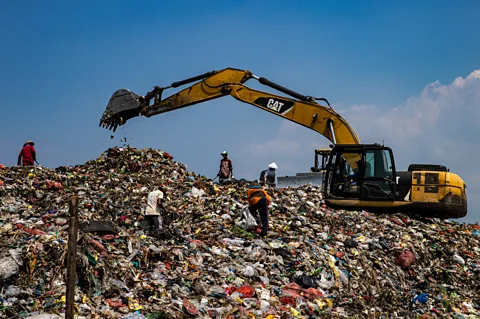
{"x": 342, "y": 167}
{"x": 378, "y": 182}
{"x": 365, "y": 173}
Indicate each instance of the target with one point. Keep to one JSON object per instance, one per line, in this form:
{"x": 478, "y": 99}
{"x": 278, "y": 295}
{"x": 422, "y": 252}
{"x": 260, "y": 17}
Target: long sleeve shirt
{"x": 27, "y": 155}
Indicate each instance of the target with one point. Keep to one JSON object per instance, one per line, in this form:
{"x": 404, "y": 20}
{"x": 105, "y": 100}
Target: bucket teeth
{"x": 123, "y": 105}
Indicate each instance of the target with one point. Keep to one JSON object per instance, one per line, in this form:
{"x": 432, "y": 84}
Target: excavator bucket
{"x": 123, "y": 105}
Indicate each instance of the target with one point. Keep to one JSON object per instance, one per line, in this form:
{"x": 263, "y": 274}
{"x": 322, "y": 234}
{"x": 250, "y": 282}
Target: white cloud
{"x": 288, "y": 126}
{"x": 439, "y": 125}
{"x": 285, "y": 142}
{"x": 275, "y": 147}
{"x": 441, "y": 116}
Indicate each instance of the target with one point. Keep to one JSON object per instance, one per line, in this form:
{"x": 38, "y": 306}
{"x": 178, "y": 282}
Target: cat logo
{"x": 277, "y": 105}
{"x": 274, "y": 105}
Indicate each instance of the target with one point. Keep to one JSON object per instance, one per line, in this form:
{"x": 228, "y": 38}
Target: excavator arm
{"x": 301, "y": 109}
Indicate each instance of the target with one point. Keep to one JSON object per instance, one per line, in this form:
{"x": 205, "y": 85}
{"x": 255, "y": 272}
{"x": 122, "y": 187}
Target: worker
{"x": 226, "y": 168}
{"x": 27, "y": 155}
{"x": 154, "y": 210}
{"x": 258, "y": 201}
{"x": 267, "y": 177}
{"x": 359, "y": 172}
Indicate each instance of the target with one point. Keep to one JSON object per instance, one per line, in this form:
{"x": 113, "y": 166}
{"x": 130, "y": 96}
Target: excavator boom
{"x": 301, "y": 109}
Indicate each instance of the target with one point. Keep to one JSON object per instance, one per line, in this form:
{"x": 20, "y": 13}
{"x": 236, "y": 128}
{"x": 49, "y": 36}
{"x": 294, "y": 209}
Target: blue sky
{"x": 374, "y": 60}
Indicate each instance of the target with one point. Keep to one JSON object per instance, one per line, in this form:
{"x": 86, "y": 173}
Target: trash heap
{"x": 315, "y": 262}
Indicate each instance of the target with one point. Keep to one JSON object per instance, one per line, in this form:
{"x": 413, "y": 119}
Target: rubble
{"x": 315, "y": 261}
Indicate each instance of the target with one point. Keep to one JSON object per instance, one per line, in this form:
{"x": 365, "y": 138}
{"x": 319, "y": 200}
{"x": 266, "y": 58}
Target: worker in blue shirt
{"x": 359, "y": 172}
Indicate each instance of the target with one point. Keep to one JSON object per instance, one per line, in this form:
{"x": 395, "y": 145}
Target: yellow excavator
{"x": 356, "y": 176}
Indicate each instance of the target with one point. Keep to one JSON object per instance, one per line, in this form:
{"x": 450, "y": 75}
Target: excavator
{"x": 355, "y": 176}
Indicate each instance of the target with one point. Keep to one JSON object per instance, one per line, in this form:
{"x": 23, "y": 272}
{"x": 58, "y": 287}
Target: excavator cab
{"x": 363, "y": 177}
{"x": 360, "y": 172}
{"x": 321, "y": 159}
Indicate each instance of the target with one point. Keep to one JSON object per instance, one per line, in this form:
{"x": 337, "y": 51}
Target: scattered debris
{"x": 315, "y": 261}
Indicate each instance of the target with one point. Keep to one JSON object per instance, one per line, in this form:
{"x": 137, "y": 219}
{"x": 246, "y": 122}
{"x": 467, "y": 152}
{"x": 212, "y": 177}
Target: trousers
{"x": 261, "y": 207}
{"x": 155, "y": 221}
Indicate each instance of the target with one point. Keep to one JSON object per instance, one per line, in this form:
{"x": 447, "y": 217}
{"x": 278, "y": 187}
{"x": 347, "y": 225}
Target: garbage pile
{"x": 315, "y": 262}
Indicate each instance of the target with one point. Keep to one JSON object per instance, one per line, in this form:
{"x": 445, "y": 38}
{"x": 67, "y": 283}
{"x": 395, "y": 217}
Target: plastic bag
{"x": 197, "y": 192}
{"x": 246, "y": 219}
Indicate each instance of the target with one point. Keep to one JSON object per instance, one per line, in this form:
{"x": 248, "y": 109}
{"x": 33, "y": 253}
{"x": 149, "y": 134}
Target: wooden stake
{"x": 72, "y": 257}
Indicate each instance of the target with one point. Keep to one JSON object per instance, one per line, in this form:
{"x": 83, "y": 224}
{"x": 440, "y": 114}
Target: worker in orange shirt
{"x": 258, "y": 201}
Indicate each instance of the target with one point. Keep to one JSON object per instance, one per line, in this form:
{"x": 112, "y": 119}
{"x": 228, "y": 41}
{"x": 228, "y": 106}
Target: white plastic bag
{"x": 246, "y": 219}
{"x": 197, "y": 192}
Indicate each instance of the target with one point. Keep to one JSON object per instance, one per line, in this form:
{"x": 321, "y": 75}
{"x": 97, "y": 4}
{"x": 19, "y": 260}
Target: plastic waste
{"x": 422, "y": 298}
{"x": 247, "y": 220}
{"x": 314, "y": 261}
{"x": 459, "y": 260}
{"x": 8, "y": 267}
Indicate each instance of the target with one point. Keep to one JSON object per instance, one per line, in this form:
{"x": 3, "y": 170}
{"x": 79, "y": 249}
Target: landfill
{"x": 315, "y": 262}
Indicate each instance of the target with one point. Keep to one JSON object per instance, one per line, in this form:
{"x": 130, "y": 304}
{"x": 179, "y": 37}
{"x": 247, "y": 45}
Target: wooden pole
{"x": 72, "y": 257}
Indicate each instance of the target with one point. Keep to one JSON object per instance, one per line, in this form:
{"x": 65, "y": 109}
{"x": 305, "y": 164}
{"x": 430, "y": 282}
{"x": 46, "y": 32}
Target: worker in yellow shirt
{"x": 258, "y": 201}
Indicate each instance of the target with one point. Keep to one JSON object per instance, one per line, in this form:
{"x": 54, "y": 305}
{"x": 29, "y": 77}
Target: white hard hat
{"x": 224, "y": 153}
{"x": 273, "y": 165}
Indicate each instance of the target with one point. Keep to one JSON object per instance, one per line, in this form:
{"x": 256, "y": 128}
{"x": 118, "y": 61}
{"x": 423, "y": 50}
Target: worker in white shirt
{"x": 153, "y": 212}
{"x": 267, "y": 177}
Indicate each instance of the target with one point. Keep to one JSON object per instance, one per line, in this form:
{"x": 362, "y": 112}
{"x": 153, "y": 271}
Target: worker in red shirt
{"x": 226, "y": 168}
{"x": 27, "y": 155}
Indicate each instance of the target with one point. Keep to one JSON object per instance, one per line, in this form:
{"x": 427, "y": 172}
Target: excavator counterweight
{"x": 356, "y": 176}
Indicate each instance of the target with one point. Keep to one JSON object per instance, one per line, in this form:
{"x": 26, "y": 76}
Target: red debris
{"x": 30, "y": 230}
{"x": 98, "y": 245}
{"x": 294, "y": 286}
{"x": 340, "y": 254}
{"x": 291, "y": 293}
{"x": 116, "y": 303}
{"x": 287, "y": 301}
{"x": 189, "y": 307}
{"x": 246, "y": 290}
{"x": 312, "y": 293}
{"x": 54, "y": 185}
{"x": 397, "y": 221}
{"x": 405, "y": 259}
{"x": 109, "y": 237}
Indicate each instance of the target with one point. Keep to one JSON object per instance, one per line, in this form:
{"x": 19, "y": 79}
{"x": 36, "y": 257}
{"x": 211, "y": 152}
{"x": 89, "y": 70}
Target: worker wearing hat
{"x": 226, "y": 168}
{"x": 258, "y": 201}
{"x": 267, "y": 177}
{"x": 27, "y": 156}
